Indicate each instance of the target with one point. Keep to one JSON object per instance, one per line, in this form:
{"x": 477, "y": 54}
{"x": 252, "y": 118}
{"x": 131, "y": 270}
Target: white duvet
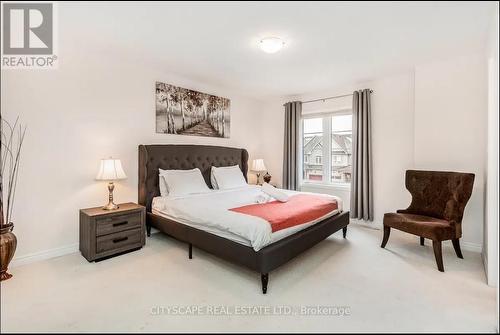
{"x": 210, "y": 212}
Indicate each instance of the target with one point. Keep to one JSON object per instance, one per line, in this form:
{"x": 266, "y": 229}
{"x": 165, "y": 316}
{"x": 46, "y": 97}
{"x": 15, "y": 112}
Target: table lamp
{"x": 258, "y": 167}
{"x": 110, "y": 170}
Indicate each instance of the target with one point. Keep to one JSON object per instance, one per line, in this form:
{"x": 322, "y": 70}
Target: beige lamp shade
{"x": 258, "y": 165}
{"x": 111, "y": 169}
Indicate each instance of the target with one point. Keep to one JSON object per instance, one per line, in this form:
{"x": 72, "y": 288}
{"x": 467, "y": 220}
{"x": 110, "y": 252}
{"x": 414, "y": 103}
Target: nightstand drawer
{"x": 119, "y": 240}
{"x": 117, "y": 223}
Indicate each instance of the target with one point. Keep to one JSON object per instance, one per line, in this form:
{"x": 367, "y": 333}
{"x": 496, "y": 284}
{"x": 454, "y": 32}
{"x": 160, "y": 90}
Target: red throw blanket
{"x": 299, "y": 209}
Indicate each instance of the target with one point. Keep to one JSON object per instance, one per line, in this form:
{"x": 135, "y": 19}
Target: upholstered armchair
{"x": 436, "y": 209}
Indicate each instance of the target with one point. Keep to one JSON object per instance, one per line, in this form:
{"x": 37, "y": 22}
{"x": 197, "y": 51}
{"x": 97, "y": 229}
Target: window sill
{"x": 342, "y": 187}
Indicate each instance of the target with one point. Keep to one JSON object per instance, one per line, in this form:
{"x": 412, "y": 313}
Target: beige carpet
{"x": 396, "y": 289}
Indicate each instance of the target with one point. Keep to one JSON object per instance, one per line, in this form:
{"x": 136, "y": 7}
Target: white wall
{"x": 271, "y": 131}
{"x": 450, "y": 127}
{"x": 94, "y": 106}
{"x": 490, "y": 249}
{"x": 392, "y": 142}
{"x": 429, "y": 117}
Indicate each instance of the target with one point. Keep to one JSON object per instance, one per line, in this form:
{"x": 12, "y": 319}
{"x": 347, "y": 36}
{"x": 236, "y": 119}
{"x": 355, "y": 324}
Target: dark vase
{"x": 267, "y": 177}
{"x": 8, "y": 244}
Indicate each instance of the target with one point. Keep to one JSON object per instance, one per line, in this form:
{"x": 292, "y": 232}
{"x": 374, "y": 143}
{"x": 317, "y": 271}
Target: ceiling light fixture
{"x": 271, "y": 45}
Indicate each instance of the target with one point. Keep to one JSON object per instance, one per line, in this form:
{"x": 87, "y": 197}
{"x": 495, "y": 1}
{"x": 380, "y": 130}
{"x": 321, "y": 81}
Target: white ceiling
{"x": 328, "y": 44}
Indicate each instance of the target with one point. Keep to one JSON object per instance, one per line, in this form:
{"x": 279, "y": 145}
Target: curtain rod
{"x": 329, "y": 98}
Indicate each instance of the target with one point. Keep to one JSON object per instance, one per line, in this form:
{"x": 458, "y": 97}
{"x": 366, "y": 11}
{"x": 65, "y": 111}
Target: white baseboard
{"x": 474, "y": 247}
{"x": 69, "y": 249}
{"x": 43, "y": 255}
{"x": 485, "y": 264}
{"x": 51, "y": 253}
{"x": 368, "y": 224}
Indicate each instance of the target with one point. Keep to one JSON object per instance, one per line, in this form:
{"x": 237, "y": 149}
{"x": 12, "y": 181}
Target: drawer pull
{"x": 118, "y": 240}
{"x": 120, "y": 223}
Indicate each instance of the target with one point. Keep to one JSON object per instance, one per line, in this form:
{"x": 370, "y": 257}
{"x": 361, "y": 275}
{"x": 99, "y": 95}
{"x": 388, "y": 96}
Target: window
{"x": 327, "y": 148}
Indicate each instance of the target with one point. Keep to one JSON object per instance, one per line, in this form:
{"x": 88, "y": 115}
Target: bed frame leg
{"x": 264, "y": 278}
{"x": 344, "y": 231}
{"x": 190, "y": 251}
{"x": 148, "y": 230}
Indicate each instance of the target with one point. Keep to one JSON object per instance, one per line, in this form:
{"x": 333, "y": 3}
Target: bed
{"x": 263, "y": 257}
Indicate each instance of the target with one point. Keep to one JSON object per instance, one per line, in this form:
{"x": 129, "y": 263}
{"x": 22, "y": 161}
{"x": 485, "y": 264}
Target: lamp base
{"x": 258, "y": 177}
{"x": 111, "y": 205}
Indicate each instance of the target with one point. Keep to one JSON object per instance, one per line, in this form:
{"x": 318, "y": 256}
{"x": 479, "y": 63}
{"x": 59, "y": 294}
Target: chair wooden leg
{"x": 438, "y": 253}
{"x": 344, "y": 232}
{"x": 190, "y": 251}
{"x": 456, "y": 246}
{"x": 387, "y": 232}
{"x": 148, "y": 230}
{"x": 422, "y": 241}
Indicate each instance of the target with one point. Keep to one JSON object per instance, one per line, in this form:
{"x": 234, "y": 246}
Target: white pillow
{"x": 163, "y": 184}
{"x": 184, "y": 182}
{"x": 228, "y": 177}
{"x": 212, "y": 179}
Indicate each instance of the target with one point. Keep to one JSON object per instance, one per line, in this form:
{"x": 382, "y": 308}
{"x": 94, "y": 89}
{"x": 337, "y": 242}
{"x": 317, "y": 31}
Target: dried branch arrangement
{"x": 11, "y": 141}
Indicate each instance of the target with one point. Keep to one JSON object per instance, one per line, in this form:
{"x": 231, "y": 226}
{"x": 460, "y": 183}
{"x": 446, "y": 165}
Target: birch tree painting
{"x": 187, "y": 112}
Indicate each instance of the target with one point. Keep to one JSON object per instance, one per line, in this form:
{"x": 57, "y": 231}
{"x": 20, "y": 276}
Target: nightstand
{"x": 106, "y": 233}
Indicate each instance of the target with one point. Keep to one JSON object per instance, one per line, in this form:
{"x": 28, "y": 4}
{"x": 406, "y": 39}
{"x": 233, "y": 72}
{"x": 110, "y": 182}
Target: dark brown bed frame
{"x": 153, "y": 157}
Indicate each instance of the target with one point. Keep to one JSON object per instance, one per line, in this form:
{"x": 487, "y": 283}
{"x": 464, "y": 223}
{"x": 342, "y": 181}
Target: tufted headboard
{"x": 182, "y": 157}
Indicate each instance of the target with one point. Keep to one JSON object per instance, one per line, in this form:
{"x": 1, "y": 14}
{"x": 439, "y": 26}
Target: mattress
{"x": 210, "y": 212}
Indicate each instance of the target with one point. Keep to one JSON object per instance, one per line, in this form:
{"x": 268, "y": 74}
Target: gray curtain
{"x": 362, "y": 167}
{"x": 293, "y": 111}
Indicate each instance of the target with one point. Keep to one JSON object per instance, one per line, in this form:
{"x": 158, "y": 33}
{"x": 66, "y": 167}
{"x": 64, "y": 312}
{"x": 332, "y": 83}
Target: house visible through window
{"x": 328, "y": 141}
{"x": 313, "y": 147}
